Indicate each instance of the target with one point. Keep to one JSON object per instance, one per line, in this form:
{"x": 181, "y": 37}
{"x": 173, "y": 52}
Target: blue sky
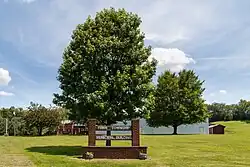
{"x": 212, "y": 37}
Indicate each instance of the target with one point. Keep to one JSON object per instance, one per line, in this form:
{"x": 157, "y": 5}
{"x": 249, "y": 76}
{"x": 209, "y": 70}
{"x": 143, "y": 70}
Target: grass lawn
{"x": 229, "y": 150}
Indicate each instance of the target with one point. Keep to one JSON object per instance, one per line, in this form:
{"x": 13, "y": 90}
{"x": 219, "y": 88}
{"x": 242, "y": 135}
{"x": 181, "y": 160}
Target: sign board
{"x": 134, "y": 151}
{"x": 104, "y": 137}
{"x": 134, "y": 128}
{"x": 113, "y": 128}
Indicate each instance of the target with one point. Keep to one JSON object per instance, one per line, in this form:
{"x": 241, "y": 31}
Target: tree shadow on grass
{"x": 57, "y": 150}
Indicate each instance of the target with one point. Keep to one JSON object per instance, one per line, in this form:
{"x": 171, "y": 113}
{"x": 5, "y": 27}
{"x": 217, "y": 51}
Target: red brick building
{"x": 71, "y": 128}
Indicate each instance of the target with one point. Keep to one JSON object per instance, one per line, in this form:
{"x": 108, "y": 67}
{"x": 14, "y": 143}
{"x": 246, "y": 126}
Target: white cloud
{"x": 208, "y": 102}
{"x": 215, "y": 94}
{"x": 167, "y": 21}
{"x": 173, "y": 58}
{"x": 223, "y": 91}
{"x": 4, "y": 77}
{"x": 48, "y": 31}
{"x": 23, "y": 1}
{"x": 225, "y": 58}
{"x": 212, "y": 94}
{"x": 3, "y": 93}
{"x": 164, "y": 40}
{"x": 28, "y": 1}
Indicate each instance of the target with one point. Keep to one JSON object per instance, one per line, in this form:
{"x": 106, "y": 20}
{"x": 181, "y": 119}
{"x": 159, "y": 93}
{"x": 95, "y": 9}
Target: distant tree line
{"x": 35, "y": 120}
{"x": 229, "y": 112}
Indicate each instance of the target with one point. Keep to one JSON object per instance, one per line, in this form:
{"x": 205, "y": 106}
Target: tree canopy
{"x": 178, "y": 100}
{"x": 34, "y": 120}
{"x": 40, "y": 117}
{"x": 228, "y": 112}
{"x": 105, "y": 73}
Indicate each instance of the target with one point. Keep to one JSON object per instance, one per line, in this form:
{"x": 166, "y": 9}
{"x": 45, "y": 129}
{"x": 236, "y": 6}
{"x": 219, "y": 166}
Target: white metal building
{"x": 199, "y": 128}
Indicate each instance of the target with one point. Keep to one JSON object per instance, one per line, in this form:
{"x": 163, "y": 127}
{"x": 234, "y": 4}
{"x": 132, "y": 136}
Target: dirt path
{"x": 15, "y": 160}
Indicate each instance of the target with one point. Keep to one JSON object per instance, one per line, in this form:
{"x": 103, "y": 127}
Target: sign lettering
{"x": 104, "y": 137}
{"x": 113, "y": 128}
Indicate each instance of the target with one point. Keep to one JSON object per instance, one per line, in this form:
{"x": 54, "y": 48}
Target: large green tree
{"x": 222, "y": 112}
{"x": 14, "y": 120}
{"x": 105, "y": 73}
{"x": 40, "y": 117}
{"x": 178, "y": 100}
{"x": 242, "y": 110}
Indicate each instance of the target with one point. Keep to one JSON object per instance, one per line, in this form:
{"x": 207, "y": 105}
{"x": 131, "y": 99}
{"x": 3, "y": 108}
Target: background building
{"x": 199, "y": 128}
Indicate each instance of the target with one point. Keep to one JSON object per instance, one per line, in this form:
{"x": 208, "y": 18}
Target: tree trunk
{"x": 175, "y": 129}
{"x": 40, "y": 131}
{"x": 108, "y": 142}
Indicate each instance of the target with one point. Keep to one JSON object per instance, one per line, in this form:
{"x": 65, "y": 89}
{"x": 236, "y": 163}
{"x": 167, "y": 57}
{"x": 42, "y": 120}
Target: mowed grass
{"x": 229, "y": 150}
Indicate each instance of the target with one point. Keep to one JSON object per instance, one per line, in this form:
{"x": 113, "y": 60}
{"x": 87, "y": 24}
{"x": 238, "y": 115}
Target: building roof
{"x": 211, "y": 126}
{"x": 66, "y": 121}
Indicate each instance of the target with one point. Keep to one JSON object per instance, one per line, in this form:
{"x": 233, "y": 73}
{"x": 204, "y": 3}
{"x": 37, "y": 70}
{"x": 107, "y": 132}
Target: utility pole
{"x": 14, "y": 123}
{"x": 6, "y": 127}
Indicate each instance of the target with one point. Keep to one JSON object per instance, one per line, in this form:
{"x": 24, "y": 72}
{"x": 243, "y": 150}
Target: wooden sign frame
{"x": 134, "y": 128}
{"x": 114, "y": 152}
